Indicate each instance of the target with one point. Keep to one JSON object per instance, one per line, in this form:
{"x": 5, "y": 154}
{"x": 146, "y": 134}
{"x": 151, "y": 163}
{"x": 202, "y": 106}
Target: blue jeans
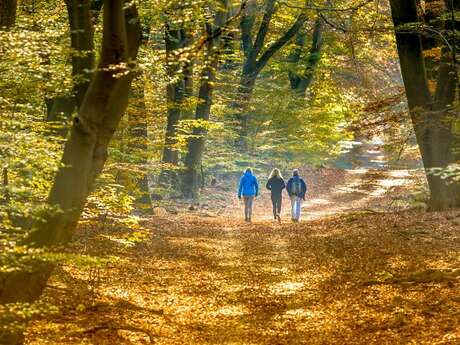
{"x": 248, "y": 200}
{"x": 296, "y": 203}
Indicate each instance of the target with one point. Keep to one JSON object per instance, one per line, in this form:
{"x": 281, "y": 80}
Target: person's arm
{"x": 283, "y": 184}
{"x": 256, "y": 185}
{"x": 304, "y": 188}
{"x": 269, "y": 184}
{"x": 240, "y": 188}
{"x": 288, "y": 186}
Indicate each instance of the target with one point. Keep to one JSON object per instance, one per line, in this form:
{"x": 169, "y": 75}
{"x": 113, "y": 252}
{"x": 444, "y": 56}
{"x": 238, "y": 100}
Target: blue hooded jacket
{"x": 248, "y": 185}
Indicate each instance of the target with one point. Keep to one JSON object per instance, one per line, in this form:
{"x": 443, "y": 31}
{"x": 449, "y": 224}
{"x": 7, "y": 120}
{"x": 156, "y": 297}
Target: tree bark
{"x": 300, "y": 82}
{"x": 175, "y": 39}
{"x": 83, "y": 61}
{"x": 193, "y": 160}
{"x": 432, "y": 117}
{"x": 8, "y": 13}
{"x": 137, "y": 145}
{"x": 84, "y": 154}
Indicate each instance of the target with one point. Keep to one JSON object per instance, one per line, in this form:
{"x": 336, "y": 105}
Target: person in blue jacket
{"x": 296, "y": 188}
{"x": 248, "y": 189}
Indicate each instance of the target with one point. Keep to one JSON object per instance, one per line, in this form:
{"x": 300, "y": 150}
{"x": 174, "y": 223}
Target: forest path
{"x": 336, "y": 278}
{"x": 356, "y": 190}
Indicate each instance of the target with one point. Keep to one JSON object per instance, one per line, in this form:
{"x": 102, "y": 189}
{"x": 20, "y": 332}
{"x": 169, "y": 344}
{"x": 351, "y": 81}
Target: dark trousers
{"x": 276, "y": 202}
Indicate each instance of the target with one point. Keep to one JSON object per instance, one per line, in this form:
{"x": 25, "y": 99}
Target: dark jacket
{"x": 276, "y": 185}
{"x": 248, "y": 185}
{"x": 302, "y": 184}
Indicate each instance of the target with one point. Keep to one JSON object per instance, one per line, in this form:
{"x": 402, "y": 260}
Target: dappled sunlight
{"x": 286, "y": 288}
{"x": 235, "y": 310}
{"x": 338, "y": 281}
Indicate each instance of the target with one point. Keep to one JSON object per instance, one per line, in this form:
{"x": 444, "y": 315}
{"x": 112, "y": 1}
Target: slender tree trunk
{"x": 241, "y": 105}
{"x": 137, "y": 145}
{"x": 84, "y": 155}
{"x": 300, "y": 82}
{"x": 175, "y": 39}
{"x": 8, "y": 13}
{"x": 193, "y": 160}
{"x": 432, "y": 117}
{"x": 83, "y": 60}
{"x": 193, "y": 177}
{"x": 256, "y": 58}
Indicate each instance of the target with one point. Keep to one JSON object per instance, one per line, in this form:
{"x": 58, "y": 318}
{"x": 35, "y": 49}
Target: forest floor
{"x": 356, "y": 270}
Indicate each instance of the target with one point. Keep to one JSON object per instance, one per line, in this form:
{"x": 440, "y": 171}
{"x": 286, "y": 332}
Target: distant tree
{"x": 8, "y": 13}
{"x": 303, "y": 68}
{"x": 196, "y": 144}
{"x": 255, "y": 56}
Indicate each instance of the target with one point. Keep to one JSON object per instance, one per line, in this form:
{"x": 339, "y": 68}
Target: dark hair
{"x": 249, "y": 170}
{"x": 295, "y": 172}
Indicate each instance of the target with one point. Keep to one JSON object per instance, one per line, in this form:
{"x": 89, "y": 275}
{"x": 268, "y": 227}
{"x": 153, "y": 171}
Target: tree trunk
{"x": 432, "y": 118}
{"x": 255, "y": 59}
{"x": 84, "y": 154}
{"x": 175, "y": 39}
{"x": 192, "y": 177}
{"x": 137, "y": 145}
{"x": 8, "y": 13}
{"x": 300, "y": 82}
{"x": 241, "y": 105}
{"x": 83, "y": 61}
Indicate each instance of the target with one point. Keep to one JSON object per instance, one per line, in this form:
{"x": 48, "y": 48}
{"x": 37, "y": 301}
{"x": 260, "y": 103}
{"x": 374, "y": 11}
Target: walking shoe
{"x": 279, "y": 218}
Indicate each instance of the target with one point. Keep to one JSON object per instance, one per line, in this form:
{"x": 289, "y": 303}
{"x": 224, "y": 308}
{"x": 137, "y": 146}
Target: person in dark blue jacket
{"x": 248, "y": 189}
{"x": 275, "y": 185}
{"x": 296, "y": 188}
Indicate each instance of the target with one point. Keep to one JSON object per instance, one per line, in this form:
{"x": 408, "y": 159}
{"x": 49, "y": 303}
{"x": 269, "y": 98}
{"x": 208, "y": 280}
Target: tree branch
{"x": 263, "y": 29}
{"x": 329, "y": 9}
{"x": 285, "y": 38}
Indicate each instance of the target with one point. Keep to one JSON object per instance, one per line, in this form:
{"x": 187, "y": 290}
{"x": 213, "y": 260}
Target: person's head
{"x": 276, "y": 173}
{"x": 248, "y": 171}
{"x": 295, "y": 172}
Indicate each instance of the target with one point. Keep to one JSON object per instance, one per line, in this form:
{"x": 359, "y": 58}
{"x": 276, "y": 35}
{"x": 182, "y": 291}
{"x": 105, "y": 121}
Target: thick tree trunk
{"x": 432, "y": 118}
{"x": 84, "y": 154}
{"x": 8, "y": 13}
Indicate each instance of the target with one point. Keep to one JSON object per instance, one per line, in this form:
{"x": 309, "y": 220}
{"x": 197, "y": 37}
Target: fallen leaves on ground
{"x": 347, "y": 279}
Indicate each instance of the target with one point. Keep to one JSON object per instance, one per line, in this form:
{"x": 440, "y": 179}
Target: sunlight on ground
{"x": 233, "y": 310}
{"x": 286, "y": 288}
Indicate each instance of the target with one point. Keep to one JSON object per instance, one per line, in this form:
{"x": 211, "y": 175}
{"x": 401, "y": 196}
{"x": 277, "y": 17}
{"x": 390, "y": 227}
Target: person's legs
{"x": 251, "y": 199}
{"x": 245, "y": 199}
{"x": 274, "y": 204}
{"x": 293, "y": 203}
{"x": 280, "y": 199}
{"x": 298, "y": 204}
{"x": 248, "y": 207}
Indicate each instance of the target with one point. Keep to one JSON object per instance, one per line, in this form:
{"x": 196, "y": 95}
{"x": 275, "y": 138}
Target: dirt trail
{"x": 361, "y": 189}
{"x": 216, "y": 280}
